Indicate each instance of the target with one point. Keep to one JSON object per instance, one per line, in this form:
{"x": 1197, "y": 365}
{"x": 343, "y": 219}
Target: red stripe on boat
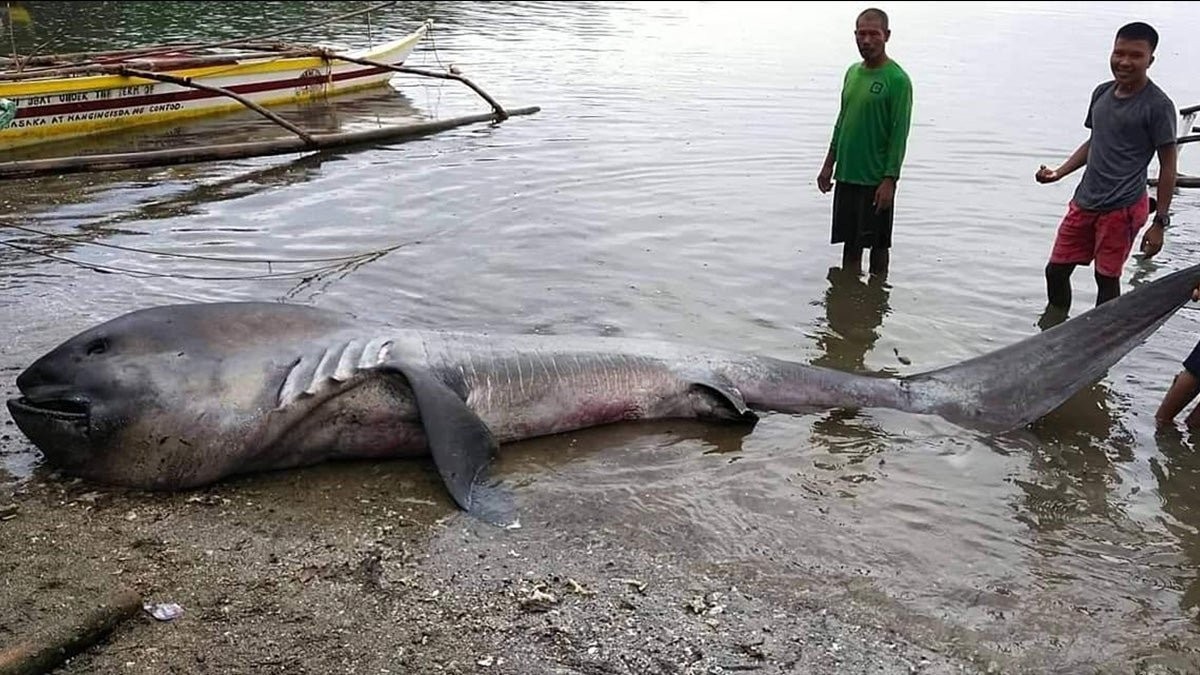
{"x": 187, "y": 95}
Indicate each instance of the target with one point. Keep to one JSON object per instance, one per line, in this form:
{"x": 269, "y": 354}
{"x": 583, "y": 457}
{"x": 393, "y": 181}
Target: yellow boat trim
{"x": 66, "y": 130}
{"x": 249, "y": 67}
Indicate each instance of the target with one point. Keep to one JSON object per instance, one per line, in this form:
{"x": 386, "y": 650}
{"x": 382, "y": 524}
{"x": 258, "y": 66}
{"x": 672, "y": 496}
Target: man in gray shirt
{"x": 1131, "y": 120}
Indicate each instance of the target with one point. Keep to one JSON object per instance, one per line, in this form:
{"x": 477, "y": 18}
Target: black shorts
{"x": 854, "y": 219}
{"x": 1192, "y": 362}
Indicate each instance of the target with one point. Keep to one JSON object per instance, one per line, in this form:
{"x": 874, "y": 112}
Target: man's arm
{"x": 1163, "y": 127}
{"x": 1167, "y": 160}
{"x": 825, "y": 177}
{"x": 1182, "y": 391}
{"x": 1076, "y": 160}
{"x": 1152, "y": 240}
{"x": 897, "y": 146}
{"x": 902, "y": 102}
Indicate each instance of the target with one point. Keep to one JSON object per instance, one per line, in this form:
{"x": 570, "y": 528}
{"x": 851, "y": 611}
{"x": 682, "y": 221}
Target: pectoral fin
{"x": 727, "y": 402}
{"x": 461, "y": 445}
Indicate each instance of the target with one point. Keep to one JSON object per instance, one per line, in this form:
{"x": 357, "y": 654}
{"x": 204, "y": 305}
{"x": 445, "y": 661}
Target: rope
{"x": 192, "y": 256}
{"x": 307, "y": 274}
{"x": 433, "y": 46}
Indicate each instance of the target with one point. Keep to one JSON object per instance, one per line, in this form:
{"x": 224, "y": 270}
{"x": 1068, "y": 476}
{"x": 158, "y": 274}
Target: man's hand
{"x": 1046, "y": 175}
{"x": 884, "y": 194}
{"x": 1152, "y": 241}
{"x": 825, "y": 179}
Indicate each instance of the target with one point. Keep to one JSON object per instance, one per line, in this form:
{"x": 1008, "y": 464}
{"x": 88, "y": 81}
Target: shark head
{"x": 161, "y": 398}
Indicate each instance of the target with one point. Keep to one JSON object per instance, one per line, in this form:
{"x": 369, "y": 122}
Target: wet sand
{"x": 365, "y": 567}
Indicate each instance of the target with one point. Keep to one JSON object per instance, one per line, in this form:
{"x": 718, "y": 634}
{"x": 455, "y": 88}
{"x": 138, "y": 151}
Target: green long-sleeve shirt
{"x": 871, "y": 133}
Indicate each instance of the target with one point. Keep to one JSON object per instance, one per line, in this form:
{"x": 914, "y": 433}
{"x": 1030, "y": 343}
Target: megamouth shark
{"x": 178, "y": 396}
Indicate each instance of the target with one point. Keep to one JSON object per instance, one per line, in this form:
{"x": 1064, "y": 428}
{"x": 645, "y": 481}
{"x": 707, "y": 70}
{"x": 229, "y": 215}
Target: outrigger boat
{"x": 50, "y": 98}
{"x": 117, "y": 90}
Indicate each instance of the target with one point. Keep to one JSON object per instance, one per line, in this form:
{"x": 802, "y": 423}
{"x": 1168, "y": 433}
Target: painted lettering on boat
{"x": 105, "y": 114}
{"x": 93, "y": 115}
{"x": 85, "y": 96}
{"x": 139, "y": 90}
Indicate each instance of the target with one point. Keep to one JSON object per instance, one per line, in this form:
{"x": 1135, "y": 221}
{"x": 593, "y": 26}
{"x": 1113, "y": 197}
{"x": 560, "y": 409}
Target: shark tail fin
{"x": 1018, "y": 384}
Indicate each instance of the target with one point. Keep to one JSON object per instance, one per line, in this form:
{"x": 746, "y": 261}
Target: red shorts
{"x": 1104, "y": 236}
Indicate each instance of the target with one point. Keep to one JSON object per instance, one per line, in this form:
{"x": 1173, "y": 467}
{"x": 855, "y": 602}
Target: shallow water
{"x": 666, "y": 190}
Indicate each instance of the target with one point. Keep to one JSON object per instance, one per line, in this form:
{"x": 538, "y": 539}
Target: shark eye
{"x": 97, "y": 346}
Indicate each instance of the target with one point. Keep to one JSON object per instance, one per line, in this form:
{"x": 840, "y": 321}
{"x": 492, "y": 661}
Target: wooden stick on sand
{"x": 50, "y": 647}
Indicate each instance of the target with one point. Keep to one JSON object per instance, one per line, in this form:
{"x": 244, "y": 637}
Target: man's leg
{"x": 1115, "y": 233}
{"x": 845, "y": 226}
{"x": 1058, "y": 284}
{"x": 1107, "y": 288}
{"x": 1074, "y": 244}
{"x": 1051, "y": 317}
{"x": 852, "y": 258}
{"x": 877, "y": 234}
{"x": 879, "y": 261}
{"x": 855, "y": 205}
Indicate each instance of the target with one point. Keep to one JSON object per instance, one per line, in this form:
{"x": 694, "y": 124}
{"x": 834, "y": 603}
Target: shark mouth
{"x": 65, "y": 409}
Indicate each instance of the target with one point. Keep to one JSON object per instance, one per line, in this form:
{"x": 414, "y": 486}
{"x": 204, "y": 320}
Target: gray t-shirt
{"x": 1126, "y": 133}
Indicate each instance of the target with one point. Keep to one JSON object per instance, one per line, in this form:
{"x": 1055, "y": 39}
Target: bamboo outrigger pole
{"x": 188, "y": 82}
{"x": 134, "y": 160}
{"x": 325, "y": 53}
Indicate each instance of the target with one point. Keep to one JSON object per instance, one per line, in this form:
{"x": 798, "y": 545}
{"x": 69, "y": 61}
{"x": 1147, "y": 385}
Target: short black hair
{"x": 882, "y": 16}
{"x": 1139, "y": 31}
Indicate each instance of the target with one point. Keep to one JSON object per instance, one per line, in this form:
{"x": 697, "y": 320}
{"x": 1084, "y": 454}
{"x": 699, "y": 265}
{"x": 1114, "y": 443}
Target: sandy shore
{"x": 367, "y": 568}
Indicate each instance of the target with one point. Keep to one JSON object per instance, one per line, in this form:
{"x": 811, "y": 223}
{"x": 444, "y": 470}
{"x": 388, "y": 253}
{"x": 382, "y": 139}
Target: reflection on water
{"x": 63, "y": 27}
{"x": 665, "y": 191}
{"x": 181, "y": 191}
{"x": 1178, "y": 476}
{"x": 1077, "y": 449}
{"x": 855, "y": 307}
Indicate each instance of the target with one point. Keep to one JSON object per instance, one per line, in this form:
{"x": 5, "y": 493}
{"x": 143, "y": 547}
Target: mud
{"x": 368, "y": 568}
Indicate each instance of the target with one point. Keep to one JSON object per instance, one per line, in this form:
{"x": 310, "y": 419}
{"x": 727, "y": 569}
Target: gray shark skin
{"x": 178, "y": 396}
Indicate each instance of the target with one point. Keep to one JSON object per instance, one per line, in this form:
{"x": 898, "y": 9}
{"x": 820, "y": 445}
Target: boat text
{"x": 85, "y": 96}
{"x": 83, "y": 117}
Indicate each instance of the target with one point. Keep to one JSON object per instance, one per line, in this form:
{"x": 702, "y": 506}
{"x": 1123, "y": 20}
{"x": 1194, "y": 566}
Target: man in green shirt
{"x": 867, "y": 150}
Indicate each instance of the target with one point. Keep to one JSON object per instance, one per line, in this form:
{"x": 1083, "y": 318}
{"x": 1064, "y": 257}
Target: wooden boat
{"x": 102, "y": 92}
{"x": 51, "y": 97}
